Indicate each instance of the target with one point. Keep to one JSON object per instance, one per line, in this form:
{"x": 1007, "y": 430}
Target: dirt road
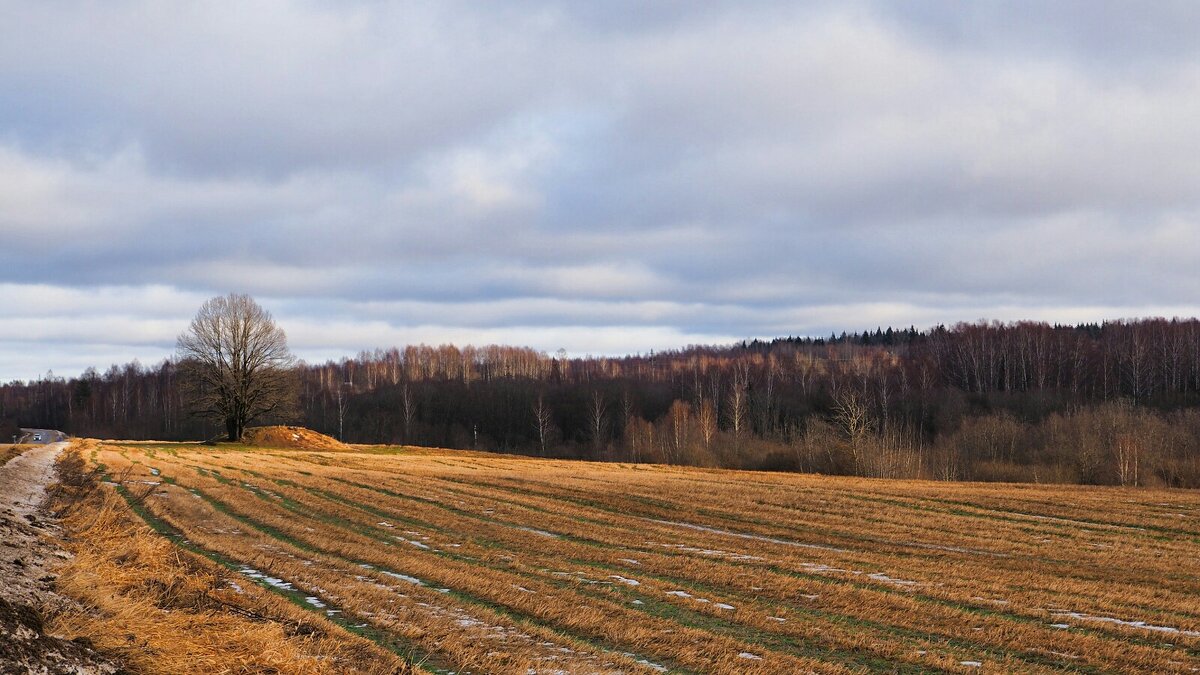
{"x": 28, "y": 554}
{"x": 24, "y": 548}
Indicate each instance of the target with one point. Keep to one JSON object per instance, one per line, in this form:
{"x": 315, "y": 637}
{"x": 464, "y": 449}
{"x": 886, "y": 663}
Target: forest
{"x": 1116, "y": 403}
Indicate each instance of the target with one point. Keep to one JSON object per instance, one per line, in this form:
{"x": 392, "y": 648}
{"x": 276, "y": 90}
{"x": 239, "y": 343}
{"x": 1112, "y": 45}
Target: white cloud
{"x": 609, "y": 178}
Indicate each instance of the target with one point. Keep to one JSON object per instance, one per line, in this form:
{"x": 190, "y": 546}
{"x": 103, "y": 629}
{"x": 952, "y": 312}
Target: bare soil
{"x": 28, "y": 555}
{"x": 291, "y": 437}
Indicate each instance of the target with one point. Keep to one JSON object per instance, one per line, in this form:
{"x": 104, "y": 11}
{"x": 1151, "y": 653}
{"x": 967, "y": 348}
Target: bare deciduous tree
{"x": 597, "y": 413}
{"x": 235, "y": 364}
{"x": 408, "y": 412}
{"x": 706, "y": 416}
{"x": 737, "y": 405}
{"x": 853, "y": 415}
{"x": 542, "y": 423}
{"x": 680, "y": 420}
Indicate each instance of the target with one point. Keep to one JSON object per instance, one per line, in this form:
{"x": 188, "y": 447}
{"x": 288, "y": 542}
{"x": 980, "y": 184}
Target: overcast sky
{"x": 607, "y": 177}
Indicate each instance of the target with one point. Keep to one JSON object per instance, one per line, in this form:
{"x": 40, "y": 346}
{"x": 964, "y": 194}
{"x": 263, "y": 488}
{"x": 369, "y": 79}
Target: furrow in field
{"x": 475, "y": 638}
{"x": 500, "y": 589}
{"x": 1056, "y": 631}
{"x": 1051, "y": 583}
{"x": 730, "y": 555}
{"x": 718, "y": 608}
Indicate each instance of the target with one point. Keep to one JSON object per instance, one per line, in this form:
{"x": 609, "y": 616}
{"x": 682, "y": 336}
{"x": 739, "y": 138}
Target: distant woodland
{"x": 1116, "y": 403}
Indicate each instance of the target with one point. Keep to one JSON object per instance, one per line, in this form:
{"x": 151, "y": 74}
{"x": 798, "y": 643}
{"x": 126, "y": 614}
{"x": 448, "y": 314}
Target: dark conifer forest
{"x": 1115, "y": 403}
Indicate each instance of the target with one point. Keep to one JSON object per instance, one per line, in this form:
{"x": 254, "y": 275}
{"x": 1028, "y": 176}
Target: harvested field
{"x": 481, "y": 563}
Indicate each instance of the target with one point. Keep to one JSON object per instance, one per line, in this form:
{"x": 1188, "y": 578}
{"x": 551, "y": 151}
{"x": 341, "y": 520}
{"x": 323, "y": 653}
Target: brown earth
{"x": 291, "y": 437}
{"x": 28, "y": 556}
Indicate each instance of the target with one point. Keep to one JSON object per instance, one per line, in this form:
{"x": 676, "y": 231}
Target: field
{"x": 463, "y": 562}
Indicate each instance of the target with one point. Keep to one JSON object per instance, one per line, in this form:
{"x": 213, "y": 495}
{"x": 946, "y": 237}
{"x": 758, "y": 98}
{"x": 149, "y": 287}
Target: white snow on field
{"x": 957, "y": 549}
{"x": 540, "y": 533}
{"x": 404, "y": 577}
{"x": 751, "y": 657}
{"x": 384, "y": 524}
{"x": 414, "y": 542}
{"x": 780, "y": 619}
{"x": 315, "y": 602}
{"x": 155, "y": 472}
{"x": 880, "y": 576}
{"x": 971, "y": 664}
{"x": 1084, "y": 523}
{"x": 646, "y": 662}
{"x": 1131, "y": 624}
{"x": 627, "y": 582}
{"x": 818, "y": 567}
{"x": 685, "y": 594}
{"x": 994, "y": 601}
{"x": 271, "y": 581}
{"x": 631, "y": 561}
{"x": 743, "y": 535}
{"x": 716, "y": 553}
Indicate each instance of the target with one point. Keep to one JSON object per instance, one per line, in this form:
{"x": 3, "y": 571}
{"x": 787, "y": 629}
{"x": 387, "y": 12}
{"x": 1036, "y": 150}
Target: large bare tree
{"x": 235, "y": 364}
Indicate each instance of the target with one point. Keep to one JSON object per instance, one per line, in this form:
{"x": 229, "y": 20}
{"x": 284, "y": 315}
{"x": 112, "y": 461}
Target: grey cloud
{"x": 679, "y": 171}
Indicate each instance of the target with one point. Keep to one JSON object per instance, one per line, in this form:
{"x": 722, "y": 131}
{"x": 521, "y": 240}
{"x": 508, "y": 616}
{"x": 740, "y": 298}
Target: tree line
{"x": 1110, "y": 403}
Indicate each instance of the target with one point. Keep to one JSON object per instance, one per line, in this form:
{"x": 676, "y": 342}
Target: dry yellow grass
{"x": 486, "y": 563}
{"x": 160, "y": 609}
{"x": 11, "y": 452}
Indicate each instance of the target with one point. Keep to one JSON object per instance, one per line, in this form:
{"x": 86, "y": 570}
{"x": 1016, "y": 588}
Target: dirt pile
{"x": 291, "y": 437}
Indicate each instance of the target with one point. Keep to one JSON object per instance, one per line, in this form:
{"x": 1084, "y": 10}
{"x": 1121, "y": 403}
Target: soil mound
{"x": 291, "y": 437}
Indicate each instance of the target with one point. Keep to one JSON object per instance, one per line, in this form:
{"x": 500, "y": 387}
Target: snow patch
{"x": 404, "y": 577}
{"x": 903, "y": 583}
{"x": 540, "y": 533}
{"x": 1131, "y": 624}
{"x": 270, "y": 581}
{"x": 743, "y": 535}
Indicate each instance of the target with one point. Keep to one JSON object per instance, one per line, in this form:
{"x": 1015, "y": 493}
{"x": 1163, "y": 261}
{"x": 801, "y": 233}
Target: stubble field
{"x": 464, "y": 562}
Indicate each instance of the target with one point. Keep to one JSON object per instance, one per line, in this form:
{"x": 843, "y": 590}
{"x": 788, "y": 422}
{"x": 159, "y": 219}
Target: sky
{"x": 603, "y": 177}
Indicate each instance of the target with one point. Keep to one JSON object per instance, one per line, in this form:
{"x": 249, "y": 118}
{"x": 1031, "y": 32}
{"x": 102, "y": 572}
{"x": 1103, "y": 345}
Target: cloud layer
{"x": 605, "y": 178}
